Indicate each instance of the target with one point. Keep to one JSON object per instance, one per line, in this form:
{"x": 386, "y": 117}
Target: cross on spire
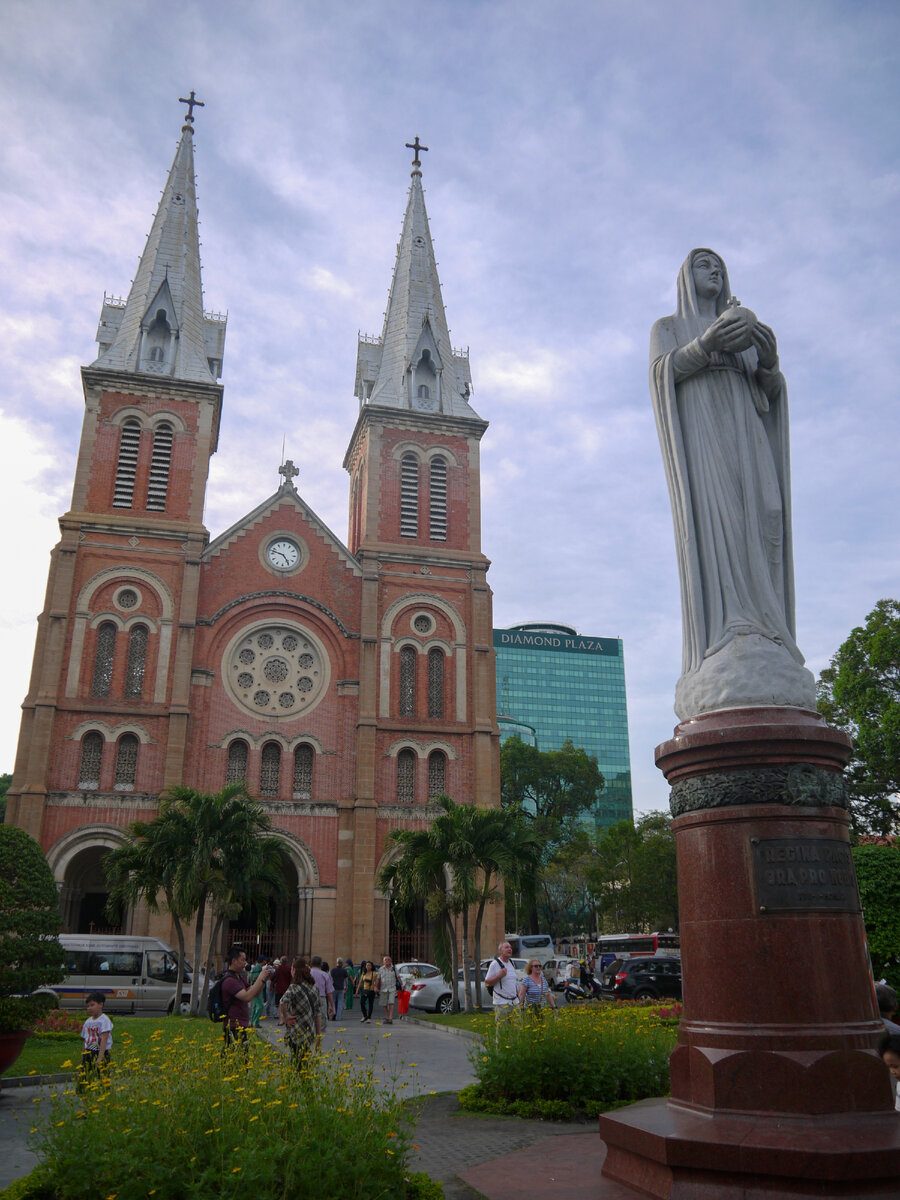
{"x": 289, "y": 471}
{"x": 192, "y": 102}
{"x": 416, "y": 146}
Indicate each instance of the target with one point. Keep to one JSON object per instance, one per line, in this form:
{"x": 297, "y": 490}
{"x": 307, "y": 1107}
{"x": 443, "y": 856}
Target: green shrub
{"x": 30, "y": 953}
{"x": 586, "y": 1060}
{"x": 180, "y": 1122}
{"x": 419, "y": 1186}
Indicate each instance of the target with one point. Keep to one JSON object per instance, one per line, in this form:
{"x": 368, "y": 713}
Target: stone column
{"x": 777, "y": 1088}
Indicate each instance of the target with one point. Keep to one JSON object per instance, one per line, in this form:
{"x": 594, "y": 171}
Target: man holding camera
{"x": 237, "y": 993}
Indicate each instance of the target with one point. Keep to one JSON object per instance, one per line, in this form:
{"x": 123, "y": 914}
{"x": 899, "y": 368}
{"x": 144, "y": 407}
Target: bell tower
{"x": 427, "y": 720}
{"x": 106, "y": 714}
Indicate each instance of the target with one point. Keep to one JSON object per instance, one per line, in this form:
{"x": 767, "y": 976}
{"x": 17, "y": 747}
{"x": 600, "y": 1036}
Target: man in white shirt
{"x": 501, "y": 976}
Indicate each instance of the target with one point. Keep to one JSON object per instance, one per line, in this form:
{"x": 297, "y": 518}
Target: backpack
{"x": 490, "y": 986}
{"x": 215, "y": 1004}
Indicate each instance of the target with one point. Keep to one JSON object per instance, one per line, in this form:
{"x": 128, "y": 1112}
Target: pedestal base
{"x": 659, "y": 1149}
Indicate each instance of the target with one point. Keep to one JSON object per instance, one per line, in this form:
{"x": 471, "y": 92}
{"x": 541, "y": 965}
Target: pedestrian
{"x": 387, "y": 985}
{"x": 324, "y": 986}
{"x": 501, "y": 976}
{"x": 886, "y": 998}
{"x": 96, "y": 1038}
{"x": 259, "y": 1001}
{"x": 339, "y": 979}
{"x": 889, "y": 1051}
{"x": 366, "y": 991}
{"x": 352, "y": 979}
{"x": 534, "y": 991}
{"x": 282, "y": 979}
{"x": 300, "y": 1010}
{"x": 237, "y": 994}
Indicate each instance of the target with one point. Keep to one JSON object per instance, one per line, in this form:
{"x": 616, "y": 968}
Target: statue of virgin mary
{"x": 720, "y": 403}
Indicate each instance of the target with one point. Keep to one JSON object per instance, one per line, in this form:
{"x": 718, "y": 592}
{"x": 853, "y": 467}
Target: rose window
{"x": 127, "y": 598}
{"x": 276, "y": 671}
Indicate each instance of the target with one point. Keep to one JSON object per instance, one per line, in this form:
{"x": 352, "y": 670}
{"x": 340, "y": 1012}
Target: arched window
{"x": 270, "y": 769}
{"x": 103, "y": 661}
{"x": 438, "y": 497}
{"x": 123, "y": 493}
{"x": 236, "y": 771}
{"x": 407, "y": 682}
{"x": 437, "y": 774}
{"x": 158, "y": 486}
{"x": 406, "y": 777}
{"x": 137, "y": 658}
{"x": 423, "y": 391}
{"x": 409, "y": 496}
{"x": 91, "y": 756}
{"x": 303, "y": 769}
{"x": 435, "y": 683}
{"x": 126, "y": 762}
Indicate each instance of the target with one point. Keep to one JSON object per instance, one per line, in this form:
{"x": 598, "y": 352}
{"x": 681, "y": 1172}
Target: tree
{"x": 878, "y": 874}
{"x": 454, "y": 864}
{"x": 554, "y": 790}
{"x": 5, "y": 781}
{"x": 207, "y": 851}
{"x": 30, "y": 954}
{"x": 860, "y": 693}
{"x": 633, "y": 874}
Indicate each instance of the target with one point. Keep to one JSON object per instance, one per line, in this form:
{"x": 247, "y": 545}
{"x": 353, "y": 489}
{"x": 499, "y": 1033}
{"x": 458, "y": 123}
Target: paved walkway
{"x": 473, "y": 1156}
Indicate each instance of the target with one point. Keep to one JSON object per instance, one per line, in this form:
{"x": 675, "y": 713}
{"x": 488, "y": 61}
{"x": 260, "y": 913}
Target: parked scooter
{"x": 575, "y": 991}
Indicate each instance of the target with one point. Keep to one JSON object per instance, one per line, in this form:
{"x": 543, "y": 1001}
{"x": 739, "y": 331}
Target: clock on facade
{"x": 283, "y": 554}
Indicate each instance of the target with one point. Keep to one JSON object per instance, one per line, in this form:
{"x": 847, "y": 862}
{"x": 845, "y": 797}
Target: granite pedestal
{"x": 777, "y": 1088}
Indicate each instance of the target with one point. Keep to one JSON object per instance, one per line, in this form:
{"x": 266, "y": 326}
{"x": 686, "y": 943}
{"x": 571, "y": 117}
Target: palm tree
{"x": 454, "y": 865}
{"x": 142, "y": 869}
{"x": 204, "y": 851}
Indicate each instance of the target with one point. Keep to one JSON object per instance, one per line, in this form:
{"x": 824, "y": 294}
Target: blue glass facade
{"x": 564, "y": 685}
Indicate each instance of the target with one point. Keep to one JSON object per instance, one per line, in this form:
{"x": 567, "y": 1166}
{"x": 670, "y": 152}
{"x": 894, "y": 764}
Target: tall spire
{"x": 413, "y": 364}
{"x": 161, "y": 328}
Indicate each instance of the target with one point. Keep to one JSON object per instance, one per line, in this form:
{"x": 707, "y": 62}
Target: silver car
{"x": 434, "y": 994}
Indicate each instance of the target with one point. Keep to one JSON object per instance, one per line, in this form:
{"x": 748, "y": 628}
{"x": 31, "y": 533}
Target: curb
{"x": 18, "y": 1081}
{"x": 422, "y": 1023}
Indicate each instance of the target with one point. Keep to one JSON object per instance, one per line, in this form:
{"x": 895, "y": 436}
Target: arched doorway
{"x": 84, "y": 893}
{"x": 280, "y": 925}
{"x": 409, "y": 933}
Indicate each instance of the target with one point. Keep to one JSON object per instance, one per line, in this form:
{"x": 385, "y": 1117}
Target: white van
{"x": 135, "y": 974}
{"x": 532, "y": 945}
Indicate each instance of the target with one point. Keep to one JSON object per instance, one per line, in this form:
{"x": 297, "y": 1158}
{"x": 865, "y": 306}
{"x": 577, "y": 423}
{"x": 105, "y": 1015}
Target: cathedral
{"x": 347, "y": 684}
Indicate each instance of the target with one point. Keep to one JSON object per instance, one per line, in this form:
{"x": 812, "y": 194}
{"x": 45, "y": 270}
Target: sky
{"x": 577, "y": 152}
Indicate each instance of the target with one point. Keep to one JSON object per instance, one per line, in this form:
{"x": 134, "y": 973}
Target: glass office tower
{"x": 559, "y": 684}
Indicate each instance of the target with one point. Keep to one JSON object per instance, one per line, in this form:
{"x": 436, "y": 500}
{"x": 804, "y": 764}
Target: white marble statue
{"x": 720, "y": 403}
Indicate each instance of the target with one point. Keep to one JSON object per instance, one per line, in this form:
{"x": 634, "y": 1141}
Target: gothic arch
{"x": 302, "y": 858}
{"x": 82, "y": 620}
{"x": 388, "y": 621}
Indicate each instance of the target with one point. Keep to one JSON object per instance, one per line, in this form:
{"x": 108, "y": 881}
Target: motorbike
{"x": 575, "y": 991}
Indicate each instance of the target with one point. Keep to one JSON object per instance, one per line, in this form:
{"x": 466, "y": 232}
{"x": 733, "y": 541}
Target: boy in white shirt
{"x": 96, "y": 1034}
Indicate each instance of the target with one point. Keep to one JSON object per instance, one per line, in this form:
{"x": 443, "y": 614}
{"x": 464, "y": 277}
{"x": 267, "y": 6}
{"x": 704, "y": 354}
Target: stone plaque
{"x": 804, "y": 873}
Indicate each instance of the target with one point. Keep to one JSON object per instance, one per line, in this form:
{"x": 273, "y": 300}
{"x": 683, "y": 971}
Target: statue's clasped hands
{"x": 737, "y": 329}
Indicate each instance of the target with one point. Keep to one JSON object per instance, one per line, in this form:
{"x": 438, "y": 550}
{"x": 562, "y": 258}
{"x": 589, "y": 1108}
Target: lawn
{"x": 477, "y": 1022}
{"x": 50, "y": 1055}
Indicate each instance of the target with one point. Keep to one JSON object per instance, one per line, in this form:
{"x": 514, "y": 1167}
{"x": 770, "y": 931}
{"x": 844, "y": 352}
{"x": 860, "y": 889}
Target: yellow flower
{"x": 67, "y": 1063}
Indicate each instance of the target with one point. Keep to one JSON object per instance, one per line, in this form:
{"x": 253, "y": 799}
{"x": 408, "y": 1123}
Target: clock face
{"x": 283, "y": 554}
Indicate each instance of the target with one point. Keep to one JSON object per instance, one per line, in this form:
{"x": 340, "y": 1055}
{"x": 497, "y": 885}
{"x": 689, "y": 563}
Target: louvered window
{"x": 270, "y": 769}
{"x": 408, "y": 682}
{"x": 437, "y": 774}
{"x": 438, "y": 526}
{"x": 236, "y": 771}
{"x": 158, "y": 486}
{"x": 435, "y": 683}
{"x": 103, "y": 662}
{"x": 126, "y": 762}
{"x": 91, "y": 755}
{"x": 137, "y": 658}
{"x": 303, "y": 769}
{"x": 126, "y": 469}
{"x": 409, "y": 496}
{"x": 406, "y": 777}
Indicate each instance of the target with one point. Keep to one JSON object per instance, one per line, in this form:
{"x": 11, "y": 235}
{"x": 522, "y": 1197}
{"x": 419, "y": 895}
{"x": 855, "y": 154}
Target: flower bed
{"x": 179, "y": 1120}
{"x": 579, "y": 1063}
